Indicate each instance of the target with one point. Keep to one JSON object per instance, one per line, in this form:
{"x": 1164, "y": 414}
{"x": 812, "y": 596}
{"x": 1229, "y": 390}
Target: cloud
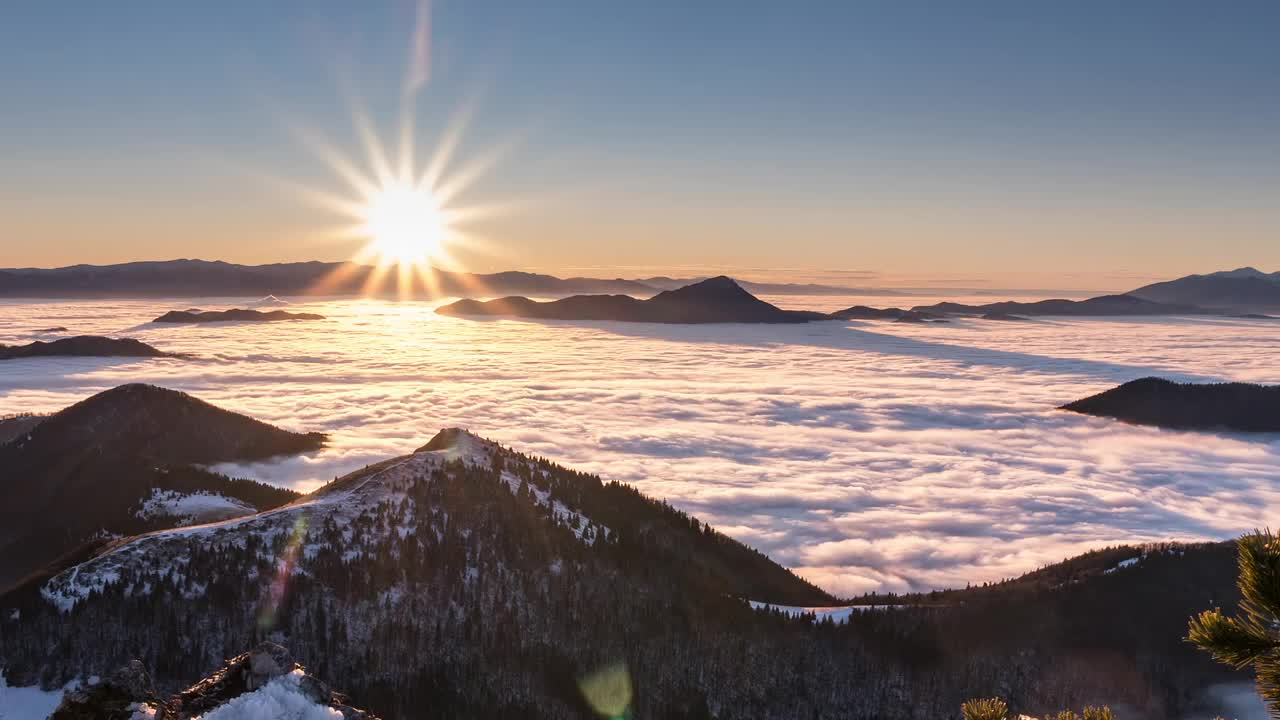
{"x": 867, "y": 456}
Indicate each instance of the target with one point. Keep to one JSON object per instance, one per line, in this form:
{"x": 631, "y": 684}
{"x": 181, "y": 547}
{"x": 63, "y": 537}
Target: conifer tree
{"x": 1252, "y": 637}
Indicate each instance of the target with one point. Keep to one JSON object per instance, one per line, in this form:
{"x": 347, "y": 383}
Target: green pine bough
{"x": 1251, "y": 639}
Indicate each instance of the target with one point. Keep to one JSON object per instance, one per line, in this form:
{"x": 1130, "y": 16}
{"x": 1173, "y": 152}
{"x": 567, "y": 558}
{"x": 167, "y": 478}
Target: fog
{"x": 865, "y": 455}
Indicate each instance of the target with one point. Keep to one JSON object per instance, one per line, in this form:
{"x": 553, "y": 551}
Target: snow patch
{"x": 29, "y": 703}
{"x": 1123, "y": 564}
{"x": 837, "y": 614}
{"x": 194, "y": 507}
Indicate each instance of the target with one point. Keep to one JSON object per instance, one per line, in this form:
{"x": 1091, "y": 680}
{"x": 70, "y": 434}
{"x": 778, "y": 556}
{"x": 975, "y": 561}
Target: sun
{"x": 405, "y": 224}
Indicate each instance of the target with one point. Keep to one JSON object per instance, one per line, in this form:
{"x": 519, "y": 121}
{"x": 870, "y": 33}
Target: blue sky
{"x": 986, "y": 139}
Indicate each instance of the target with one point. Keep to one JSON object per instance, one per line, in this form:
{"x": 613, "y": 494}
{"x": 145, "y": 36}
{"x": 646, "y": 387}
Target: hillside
{"x": 468, "y": 580}
{"x": 1241, "y": 290}
{"x": 1155, "y": 401}
{"x": 123, "y": 461}
{"x": 82, "y": 346}
{"x": 717, "y": 300}
{"x": 863, "y": 312}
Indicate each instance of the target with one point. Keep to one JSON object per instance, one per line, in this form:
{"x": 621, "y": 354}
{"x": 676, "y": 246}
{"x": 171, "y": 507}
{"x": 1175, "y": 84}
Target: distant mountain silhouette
{"x": 88, "y": 468}
{"x": 716, "y": 300}
{"x": 1003, "y": 316}
{"x": 863, "y": 312}
{"x": 82, "y": 346}
{"x": 236, "y": 315}
{"x": 1244, "y": 289}
{"x": 1186, "y": 406}
{"x": 196, "y": 278}
{"x": 767, "y": 288}
{"x": 1102, "y": 306}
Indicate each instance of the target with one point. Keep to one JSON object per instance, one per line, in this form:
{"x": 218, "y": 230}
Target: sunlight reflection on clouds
{"x": 865, "y": 455}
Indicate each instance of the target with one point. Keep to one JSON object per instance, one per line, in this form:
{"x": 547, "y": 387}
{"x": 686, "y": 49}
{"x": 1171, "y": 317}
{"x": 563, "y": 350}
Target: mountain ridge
{"x": 714, "y": 300}
{"x": 477, "y": 581}
{"x": 123, "y": 460}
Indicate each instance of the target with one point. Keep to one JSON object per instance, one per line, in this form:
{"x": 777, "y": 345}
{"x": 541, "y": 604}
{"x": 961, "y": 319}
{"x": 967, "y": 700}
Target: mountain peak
{"x": 166, "y": 425}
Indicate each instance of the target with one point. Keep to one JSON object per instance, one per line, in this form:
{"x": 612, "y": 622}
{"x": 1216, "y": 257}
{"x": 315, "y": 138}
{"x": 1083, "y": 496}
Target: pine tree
{"x": 1252, "y": 638}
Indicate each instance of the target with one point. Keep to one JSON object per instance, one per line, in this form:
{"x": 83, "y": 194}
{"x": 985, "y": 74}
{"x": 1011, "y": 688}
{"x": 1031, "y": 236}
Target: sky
{"x": 1009, "y": 144}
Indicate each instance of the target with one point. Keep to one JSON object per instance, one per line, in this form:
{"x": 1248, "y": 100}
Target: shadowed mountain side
{"x": 234, "y": 315}
{"x": 717, "y": 300}
{"x": 1155, "y": 401}
{"x": 82, "y": 346}
{"x": 92, "y": 468}
{"x": 1102, "y": 306}
{"x": 1240, "y": 289}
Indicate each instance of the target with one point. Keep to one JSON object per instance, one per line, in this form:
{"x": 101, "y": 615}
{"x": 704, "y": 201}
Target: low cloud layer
{"x": 864, "y": 455}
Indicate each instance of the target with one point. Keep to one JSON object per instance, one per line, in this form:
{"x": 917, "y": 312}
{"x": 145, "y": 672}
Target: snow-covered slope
{"x": 192, "y": 508}
{"x": 164, "y": 555}
{"x": 27, "y": 703}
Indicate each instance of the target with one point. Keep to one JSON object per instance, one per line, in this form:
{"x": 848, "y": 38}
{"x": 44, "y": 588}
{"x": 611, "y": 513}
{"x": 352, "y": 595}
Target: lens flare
{"x": 608, "y": 691}
{"x": 269, "y": 611}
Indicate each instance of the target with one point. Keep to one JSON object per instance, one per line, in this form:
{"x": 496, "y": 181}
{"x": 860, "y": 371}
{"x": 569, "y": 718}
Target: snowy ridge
{"x": 351, "y": 504}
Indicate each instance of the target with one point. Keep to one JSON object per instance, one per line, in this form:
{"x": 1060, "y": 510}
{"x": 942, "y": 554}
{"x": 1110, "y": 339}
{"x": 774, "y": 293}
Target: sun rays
{"x": 409, "y": 216}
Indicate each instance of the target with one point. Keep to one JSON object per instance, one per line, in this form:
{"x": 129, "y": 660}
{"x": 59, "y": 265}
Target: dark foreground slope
{"x": 1155, "y": 401}
{"x": 469, "y": 581}
{"x": 90, "y": 468}
{"x": 82, "y": 346}
{"x": 234, "y": 315}
{"x": 717, "y": 300}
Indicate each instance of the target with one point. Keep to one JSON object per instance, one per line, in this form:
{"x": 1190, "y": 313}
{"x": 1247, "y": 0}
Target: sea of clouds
{"x": 865, "y": 455}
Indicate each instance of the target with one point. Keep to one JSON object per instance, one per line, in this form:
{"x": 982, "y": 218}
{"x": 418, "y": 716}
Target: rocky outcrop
{"x": 128, "y": 694}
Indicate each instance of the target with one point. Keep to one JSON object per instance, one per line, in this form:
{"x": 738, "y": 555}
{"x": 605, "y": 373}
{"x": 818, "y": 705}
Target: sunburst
{"x": 408, "y": 217}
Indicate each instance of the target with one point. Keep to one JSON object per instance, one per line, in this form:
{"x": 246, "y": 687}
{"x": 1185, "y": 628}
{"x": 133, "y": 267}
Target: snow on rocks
{"x": 283, "y": 697}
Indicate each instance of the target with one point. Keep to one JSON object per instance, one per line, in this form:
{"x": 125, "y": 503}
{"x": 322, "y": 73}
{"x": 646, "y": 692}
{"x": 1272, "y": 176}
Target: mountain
{"x": 765, "y": 288}
{"x": 197, "y": 278}
{"x": 863, "y": 312}
{"x": 235, "y": 315}
{"x": 717, "y": 300}
{"x": 124, "y": 461}
{"x": 1155, "y": 401}
{"x": 1244, "y": 290}
{"x": 262, "y": 684}
{"x": 1105, "y": 305}
{"x": 469, "y": 580}
{"x": 82, "y": 346}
